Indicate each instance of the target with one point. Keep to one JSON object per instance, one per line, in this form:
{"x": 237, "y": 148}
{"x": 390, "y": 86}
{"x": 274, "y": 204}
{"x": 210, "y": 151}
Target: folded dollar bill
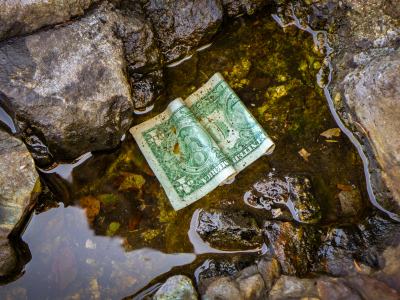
{"x": 197, "y": 144}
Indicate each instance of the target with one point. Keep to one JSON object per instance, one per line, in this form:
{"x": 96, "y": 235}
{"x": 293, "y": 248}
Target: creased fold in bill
{"x": 182, "y": 155}
{"x": 220, "y": 111}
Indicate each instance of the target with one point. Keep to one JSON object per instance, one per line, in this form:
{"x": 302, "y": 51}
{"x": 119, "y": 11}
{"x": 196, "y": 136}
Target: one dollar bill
{"x": 197, "y": 144}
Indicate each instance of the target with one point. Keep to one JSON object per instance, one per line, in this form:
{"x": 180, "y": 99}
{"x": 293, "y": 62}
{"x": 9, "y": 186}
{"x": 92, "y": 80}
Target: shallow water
{"x": 274, "y": 71}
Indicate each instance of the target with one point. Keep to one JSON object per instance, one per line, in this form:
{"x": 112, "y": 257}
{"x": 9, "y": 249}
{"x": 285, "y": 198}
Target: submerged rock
{"x": 351, "y": 202}
{"x": 372, "y": 92}
{"x": 229, "y": 230}
{"x": 14, "y": 255}
{"x": 176, "y": 287}
{"x": 19, "y": 183}
{"x": 183, "y": 25}
{"x": 72, "y": 95}
{"x": 22, "y": 17}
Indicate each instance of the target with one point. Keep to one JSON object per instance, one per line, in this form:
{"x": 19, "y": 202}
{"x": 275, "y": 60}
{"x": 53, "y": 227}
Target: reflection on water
{"x": 68, "y": 260}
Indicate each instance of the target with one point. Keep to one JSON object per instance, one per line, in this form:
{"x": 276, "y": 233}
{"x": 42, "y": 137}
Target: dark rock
{"x": 19, "y": 184}
{"x": 237, "y": 7}
{"x": 289, "y": 287}
{"x": 22, "y": 17}
{"x": 183, "y": 25}
{"x": 355, "y": 287}
{"x": 350, "y": 202}
{"x": 372, "y": 92}
{"x": 270, "y": 271}
{"x": 223, "y": 267}
{"x": 229, "y": 230}
{"x": 141, "y": 49}
{"x": 146, "y": 88}
{"x": 390, "y": 273}
{"x": 176, "y": 287}
{"x": 295, "y": 246}
{"x": 14, "y": 255}
{"x": 223, "y": 289}
{"x": 293, "y": 191}
{"x": 72, "y": 95}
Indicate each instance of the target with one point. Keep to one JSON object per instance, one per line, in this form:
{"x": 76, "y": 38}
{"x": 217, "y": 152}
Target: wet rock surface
{"x": 146, "y": 88}
{"x": 70, "y": 75}
{"x": 176, "y": 287}
{"x": 22, "y": 17}
{"x": 229, "y": 230}
{"x": 295, "y": 192}
{"x": 295, "y": 246}
{"x": 19, "y": 183}
{"x": 236, "y": 7}
{"x": 372, "y": 92}
{"x": 179, "y": 33}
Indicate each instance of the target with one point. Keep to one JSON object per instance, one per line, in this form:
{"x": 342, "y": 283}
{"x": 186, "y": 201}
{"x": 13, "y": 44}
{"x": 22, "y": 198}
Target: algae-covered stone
{"x": 177, "y": 287}
{"x": 19, "y": 183}
{"x": 229, "y": 230}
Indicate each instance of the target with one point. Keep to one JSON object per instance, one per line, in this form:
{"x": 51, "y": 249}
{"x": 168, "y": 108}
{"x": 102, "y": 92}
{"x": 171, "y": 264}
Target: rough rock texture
{"x": 19, "y": 182}
{"x": 293, "y": 191}
{"x": 295, "y": 246}
{"x": 67, "y": 88}
{"x": 178, "y": 33}
{"x": 21, "y": 17}
{"x": 146, "y": 88}
{"x": 270, "y": 271}
{"x": 229, "y": 230}
{"x": 236, "y": 7}
{"x": 372, "y": 92}
{"x": 176, "y": 287}
{"x": 223, "y": 289}
{"x": 289, "y": 287}
{"x": 141, "y": 49}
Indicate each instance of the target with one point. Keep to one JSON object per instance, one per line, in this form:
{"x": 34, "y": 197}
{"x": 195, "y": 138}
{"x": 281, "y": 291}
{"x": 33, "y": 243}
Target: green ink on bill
{"x": 197, "y": 144}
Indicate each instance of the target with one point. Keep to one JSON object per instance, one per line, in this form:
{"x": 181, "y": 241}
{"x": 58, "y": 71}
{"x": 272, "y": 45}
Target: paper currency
{"x": 195, "y": 145}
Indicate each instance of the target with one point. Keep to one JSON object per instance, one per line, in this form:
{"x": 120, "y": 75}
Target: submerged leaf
{"x": 112, "y": 228}
{"x": 107, "y": 199}
{"x": 64, "y": 266}
{"x": 331, "y": 132}
{"x": 304, "y": 154}
{"x": 135, "y": 220}
{"x": 92, "y": 206}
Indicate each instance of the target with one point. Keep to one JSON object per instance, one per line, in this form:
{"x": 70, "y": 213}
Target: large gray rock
{"x": 19, "y": 182}
{"x": 182, "y": 25}
{"x": 372, "y": 92}
{"x": 21, "y": 17}
{"x": 67, "y": 87}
